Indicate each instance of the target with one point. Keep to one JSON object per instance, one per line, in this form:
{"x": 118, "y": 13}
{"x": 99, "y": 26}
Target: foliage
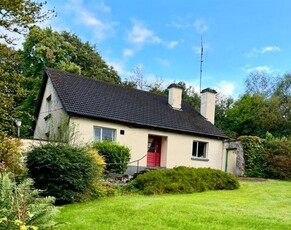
{"x": 65, "y": 172}
{"x": 269, "y": 158}
{"x": 62, "y": 50}
{"x": 22, "y": 207}
{"x": 17, "y": 16}
{"x": 11, "y": 157}
{"x": 11, "y": 89}
{"x": 255, "y": 115}
{"x": 253, "y": 155}
{"x": 261, "y": 83}
{"x": 222, "y": 105}
{"x": 278, "y": 158}
{"x": 183, "y": 180}
{"x": 189, "y": 95}
{"x": 116, "y": 155}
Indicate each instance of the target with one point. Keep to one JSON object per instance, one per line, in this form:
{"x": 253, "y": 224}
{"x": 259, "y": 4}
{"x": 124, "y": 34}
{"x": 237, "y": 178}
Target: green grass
{"x": 256, "y": 205}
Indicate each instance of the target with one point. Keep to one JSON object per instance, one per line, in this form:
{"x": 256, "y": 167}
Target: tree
{"x": 17, "y": 16}
{"x": 222, "y": 105}
{"x": 255, "y": 115}
{"x": 11, "y": 89}
{"x": 260, "y": 83}
{"x": 64, "y": 51}
{"x": 283, "y": 91}
{"x": 189, "y": 95}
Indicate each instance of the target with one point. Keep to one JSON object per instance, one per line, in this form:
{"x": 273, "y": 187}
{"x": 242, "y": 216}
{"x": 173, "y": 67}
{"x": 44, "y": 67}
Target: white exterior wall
{"x": 56, "y": 111}
{"x": 176, "y": 148}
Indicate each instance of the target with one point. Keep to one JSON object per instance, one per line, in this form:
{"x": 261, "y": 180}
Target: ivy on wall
{"x": 253, "y": 148}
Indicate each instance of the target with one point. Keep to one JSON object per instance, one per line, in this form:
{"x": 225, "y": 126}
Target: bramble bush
{"x": 116, "y": 155}
{"x": 68, "y": 173}
{"x": 182, "y": 180}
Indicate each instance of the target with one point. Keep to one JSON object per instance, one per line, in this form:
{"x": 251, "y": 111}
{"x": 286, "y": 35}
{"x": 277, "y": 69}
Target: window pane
{"x": 108, "y": 134}
{"x": 201, "y": 149}
{"x": 194, "y": 149}
{"x": 97, "y": 133}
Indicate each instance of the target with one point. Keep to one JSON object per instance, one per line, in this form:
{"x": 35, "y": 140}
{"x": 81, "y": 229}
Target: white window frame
{"x": 113, "y": 135}
{"x": 205, "y": 150}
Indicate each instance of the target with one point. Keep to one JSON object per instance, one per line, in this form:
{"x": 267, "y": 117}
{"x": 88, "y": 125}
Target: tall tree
{"x": 65, "y": 51}
{"x": 222, "y": 105}
{"x": 16, "y": 16}
{"x": 260, "y": 83}
{"x": 255, "y": 115}
{"x": 11, "y": 90}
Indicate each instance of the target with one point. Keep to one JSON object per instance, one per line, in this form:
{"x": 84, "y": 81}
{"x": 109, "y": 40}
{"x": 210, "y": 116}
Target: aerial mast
{"x": 201, "y": 62}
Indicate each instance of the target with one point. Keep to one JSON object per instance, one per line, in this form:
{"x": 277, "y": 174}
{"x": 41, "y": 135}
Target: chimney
{"x": 207, "y": 108}
{"x": 175, "y": 96}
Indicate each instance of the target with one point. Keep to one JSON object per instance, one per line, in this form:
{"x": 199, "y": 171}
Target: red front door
{"x": 154, "y": 151}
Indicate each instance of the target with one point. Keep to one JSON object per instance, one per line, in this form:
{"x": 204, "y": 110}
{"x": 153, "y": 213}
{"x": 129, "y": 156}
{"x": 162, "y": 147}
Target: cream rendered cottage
{"x": 161, "y": 131}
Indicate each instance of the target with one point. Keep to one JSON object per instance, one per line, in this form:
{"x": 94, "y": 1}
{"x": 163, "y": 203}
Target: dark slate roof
{"x": 86, "y": 97}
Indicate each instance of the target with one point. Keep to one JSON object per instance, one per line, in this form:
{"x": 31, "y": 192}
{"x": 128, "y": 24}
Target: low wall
{"x": 27, "y": 144}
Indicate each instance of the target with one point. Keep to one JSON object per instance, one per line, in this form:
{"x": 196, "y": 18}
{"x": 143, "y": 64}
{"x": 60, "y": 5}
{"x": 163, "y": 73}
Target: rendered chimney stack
{"x": 207, "y": 108}
{"x": 175, "y": 96}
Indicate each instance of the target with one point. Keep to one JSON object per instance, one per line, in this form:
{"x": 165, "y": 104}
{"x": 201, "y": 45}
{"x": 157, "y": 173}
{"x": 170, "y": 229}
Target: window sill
{"x": 199, "y": 159}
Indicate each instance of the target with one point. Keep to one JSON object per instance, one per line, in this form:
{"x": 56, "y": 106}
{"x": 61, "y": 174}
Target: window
{"x": 199, "y": 149}
{"x": 49, "y": 103}
{"x": 104, "y": 134}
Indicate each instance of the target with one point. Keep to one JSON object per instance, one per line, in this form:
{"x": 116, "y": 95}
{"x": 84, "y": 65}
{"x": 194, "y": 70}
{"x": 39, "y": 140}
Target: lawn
{"x": 255, "y": 205}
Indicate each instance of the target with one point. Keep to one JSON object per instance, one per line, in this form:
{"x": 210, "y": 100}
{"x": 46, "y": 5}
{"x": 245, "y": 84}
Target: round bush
{"x": 63, "y": 171}
{"x": 116, "y": 156}
{"x": 182, "y": 180}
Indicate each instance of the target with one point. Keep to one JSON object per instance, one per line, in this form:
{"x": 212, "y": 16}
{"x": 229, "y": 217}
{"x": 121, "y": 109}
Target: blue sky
{"x": 163, "y": 37}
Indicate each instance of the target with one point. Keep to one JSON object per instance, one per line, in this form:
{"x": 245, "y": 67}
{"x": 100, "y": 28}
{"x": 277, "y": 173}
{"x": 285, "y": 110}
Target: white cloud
{"x": 163, "y": 62}
{"x": 88, "y": 17}
{"x": 266, "y": 49}
{"x": 140, "y": 34}
{"x": 263, "y": 68}
{"x": 200, "y": 26}
{"x": 118, "y": 66}
{"x": 128, "y": 52}
{"x": 188, "y": 23}
{"x": 172, "y": 44}
{"x": 225, "y": 87}
{"x": 270, "y": 49}
{"x": 102, "y": 7}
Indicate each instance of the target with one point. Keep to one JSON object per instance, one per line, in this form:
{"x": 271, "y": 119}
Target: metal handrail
{"x": 137, "y": 165}
{"x": 138, "y": 159}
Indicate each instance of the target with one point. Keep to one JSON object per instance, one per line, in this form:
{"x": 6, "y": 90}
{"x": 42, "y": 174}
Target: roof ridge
{"x": 103, "y": 82}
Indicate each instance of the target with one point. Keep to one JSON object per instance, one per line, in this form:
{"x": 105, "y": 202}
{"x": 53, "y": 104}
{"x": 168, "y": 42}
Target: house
{"x": 161, "y": 131}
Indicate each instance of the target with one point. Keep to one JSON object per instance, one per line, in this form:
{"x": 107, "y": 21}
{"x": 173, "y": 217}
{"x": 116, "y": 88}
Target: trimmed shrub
{"x": 253, "y": 148}
{"x": 278, "y": 159}
{"x": 116, "y": 155}
{"x": 182, "y": 180}
{"x": 65, "y": 172}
